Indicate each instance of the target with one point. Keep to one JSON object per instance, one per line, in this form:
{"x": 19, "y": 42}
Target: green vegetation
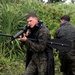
{"x": 12, "y": 19}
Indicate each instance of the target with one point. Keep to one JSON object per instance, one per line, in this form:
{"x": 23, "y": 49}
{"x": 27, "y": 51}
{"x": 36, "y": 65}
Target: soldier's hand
{"x": 24, "y": 38}
{"x": 27, "y": 33}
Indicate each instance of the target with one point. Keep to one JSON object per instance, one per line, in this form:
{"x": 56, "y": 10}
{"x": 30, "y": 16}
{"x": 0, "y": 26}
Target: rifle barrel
{"x": 7, "y": 35}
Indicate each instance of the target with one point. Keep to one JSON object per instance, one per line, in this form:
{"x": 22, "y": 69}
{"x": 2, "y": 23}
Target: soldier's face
{"x": 62, "y": 21}
{"x": 32, "y": 21}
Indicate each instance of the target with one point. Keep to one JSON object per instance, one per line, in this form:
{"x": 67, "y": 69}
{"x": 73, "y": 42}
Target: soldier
{"x": 37, "y": 51}
{"x": 66, "y": 31}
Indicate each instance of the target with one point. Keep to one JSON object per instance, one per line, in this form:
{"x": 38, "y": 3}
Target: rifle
{"x": 16, "y": 35}
{"x": 60, "y": 44}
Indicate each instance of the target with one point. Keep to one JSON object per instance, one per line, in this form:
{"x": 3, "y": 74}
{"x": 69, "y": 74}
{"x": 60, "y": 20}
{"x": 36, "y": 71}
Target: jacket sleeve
{"x": 59, "y": 33}
{"x": 42, "y": 41}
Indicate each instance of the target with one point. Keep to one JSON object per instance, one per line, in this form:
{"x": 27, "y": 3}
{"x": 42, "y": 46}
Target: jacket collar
{"x": 65, "y": 24}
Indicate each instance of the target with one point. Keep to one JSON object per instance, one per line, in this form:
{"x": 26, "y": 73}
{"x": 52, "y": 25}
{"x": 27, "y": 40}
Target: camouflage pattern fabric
{"x": 67, "y": 59}
{"x": 38, "y": 62}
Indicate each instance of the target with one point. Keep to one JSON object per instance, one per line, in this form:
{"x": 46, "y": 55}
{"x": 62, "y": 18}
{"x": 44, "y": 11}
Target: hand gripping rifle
{"x": 59, "y": 44}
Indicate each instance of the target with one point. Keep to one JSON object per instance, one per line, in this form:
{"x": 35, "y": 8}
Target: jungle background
{"x": 12, "y": 20}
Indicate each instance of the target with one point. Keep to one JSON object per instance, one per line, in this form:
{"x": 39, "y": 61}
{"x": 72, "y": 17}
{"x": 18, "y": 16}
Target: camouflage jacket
{"x": 42, "y": 35}
{"x": 37, "y": 50}
{"x": 66, "y": 31}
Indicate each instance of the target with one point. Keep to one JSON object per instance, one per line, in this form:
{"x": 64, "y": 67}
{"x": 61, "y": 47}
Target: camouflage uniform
{"x": 37, "y": 61}
{"x": 67, "y": 59}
